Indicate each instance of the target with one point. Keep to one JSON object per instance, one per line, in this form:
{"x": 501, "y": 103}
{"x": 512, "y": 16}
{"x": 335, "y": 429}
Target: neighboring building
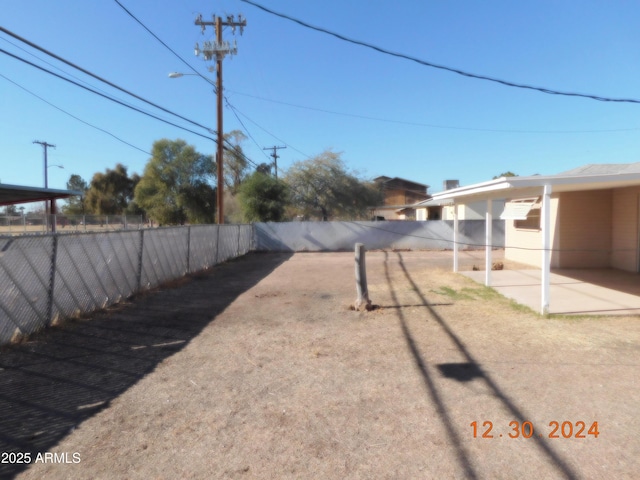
{"x": 399, "y": 197}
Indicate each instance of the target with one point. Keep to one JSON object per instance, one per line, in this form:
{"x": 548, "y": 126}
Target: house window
{"x": 525, "y": 213}
{"x": 532, "y": 222}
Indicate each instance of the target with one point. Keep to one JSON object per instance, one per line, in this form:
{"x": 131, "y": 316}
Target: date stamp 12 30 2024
{"x": 525, "y": 429}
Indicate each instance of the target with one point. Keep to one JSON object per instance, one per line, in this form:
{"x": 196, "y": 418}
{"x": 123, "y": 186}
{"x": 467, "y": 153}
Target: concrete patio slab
{"x": 573, "y": 292}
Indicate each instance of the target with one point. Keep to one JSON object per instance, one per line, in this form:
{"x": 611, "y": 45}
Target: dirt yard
{"x": 258, "y": 369}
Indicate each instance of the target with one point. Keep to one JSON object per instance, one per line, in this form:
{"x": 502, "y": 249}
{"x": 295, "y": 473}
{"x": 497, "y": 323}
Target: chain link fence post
{"x": 139, "y": 271}
{"x": 217, "y": 243}
{"x": 238, "y": 249}
{"x": 52, "y": 278}
{"x": 188, "y": 248}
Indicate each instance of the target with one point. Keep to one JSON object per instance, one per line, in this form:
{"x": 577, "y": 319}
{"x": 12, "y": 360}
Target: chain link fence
{"x": 46, "y": 278}
{"x": 60, "y": 223}
{"x": 335, "y": 236}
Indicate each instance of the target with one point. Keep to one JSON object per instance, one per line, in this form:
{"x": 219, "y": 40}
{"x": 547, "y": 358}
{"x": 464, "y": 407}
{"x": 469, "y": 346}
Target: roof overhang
{"x": 518, "y": 187}
{"x": 15, "y": 194}
{"x": 433, "y": 203}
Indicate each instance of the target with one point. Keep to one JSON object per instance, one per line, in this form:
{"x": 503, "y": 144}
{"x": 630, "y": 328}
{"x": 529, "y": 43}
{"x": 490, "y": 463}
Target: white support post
{"x": 456, "y": 237}
{"x": 488, "y": 240}
{"x": 545, "y": 224}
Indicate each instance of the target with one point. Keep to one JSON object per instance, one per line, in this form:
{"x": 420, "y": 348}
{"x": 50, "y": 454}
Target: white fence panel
{"x": 164, "y": 255}
{"x": 94, "y": 271}
{"x": 25, "y": 277}
{"x": 333, "y": 236}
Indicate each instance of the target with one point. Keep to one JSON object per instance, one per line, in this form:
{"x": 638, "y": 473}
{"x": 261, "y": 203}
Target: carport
{"x": 619, "y": 185}
{"x": 16, "y": 194}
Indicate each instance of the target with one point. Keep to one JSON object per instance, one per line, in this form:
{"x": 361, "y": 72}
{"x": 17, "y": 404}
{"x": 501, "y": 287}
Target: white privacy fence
{"x": 332, "y": 236}
{"x": 48, "y": 277}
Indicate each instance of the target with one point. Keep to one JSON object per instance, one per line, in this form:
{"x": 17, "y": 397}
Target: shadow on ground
{"x": 51, "y": 384}
{"x": 462, "y": 372}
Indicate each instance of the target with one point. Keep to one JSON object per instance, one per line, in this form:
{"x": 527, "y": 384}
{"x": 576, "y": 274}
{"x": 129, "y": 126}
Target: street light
{"x": 46, "y": 180}
{"x": 180, "y": 74}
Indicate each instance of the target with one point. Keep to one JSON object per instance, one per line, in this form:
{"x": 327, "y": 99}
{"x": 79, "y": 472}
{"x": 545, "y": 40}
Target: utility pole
{"x": 49, "y": 205}
{"x": 275, "y": 157}
{"x": 219, "y": 49}
{"x": 45, "y": 145}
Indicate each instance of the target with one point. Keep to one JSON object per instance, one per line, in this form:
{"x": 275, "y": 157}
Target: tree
{"x": 75, "y": 205}
{"x": 505, "y": 174}
{"x": 110, "y": 193}
{"x": 176, "y": 186}
{"x": 235, "y": 163}
{"x": 322, "y": 187}
{"x": 264, "y": 168}
{"x": 11, "y": 210}
{"x": 262, "y": 198}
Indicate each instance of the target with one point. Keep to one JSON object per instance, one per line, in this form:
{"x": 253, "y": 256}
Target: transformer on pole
{"x": 219, "y": 49}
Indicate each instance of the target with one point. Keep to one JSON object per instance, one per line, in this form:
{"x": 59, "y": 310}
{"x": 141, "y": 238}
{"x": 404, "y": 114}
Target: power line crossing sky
{"x": 290, "y": 84}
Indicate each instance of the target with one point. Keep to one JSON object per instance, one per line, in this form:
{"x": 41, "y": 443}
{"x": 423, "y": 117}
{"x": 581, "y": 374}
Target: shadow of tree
{"x": 52, "y": 383}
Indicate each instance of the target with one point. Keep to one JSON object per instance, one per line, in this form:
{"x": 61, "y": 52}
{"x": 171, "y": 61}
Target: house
{"x": 588, "y": 217}
{"x": 445, "y": 209}
{"x": 399, "y": 196}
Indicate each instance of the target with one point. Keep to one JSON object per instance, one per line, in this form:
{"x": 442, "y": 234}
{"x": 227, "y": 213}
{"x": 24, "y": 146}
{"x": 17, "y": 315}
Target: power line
{"x": 73, "y": 116}
{"x": 87, "y": 72}
{"x": 163, "y": 43}
{"x": 234, "y": 110}
{"x": 279, "y": 139}
{"x": 102, "y": 94}
{"x": 55, "y": 67}
{"x": 230, "y": 150}
{"x": 429, "y": 125}
{"x": 50, "y": 64}
{"x": 441, "y": 67}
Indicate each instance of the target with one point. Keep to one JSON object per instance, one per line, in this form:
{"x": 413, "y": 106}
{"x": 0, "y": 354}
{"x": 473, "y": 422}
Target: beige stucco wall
{"x": 624, "y": 241}
{"x": 529, "y": 242}
{"x": 584, "y": 229}
{"x": 593, "y": 229}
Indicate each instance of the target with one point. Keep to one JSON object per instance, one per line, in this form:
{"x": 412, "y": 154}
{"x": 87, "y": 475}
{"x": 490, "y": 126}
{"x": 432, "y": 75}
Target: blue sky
{"x": 304, "y": 89}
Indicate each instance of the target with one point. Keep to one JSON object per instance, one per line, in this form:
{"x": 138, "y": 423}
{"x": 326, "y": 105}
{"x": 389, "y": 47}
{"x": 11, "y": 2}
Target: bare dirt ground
{"x": 258, "y": 369}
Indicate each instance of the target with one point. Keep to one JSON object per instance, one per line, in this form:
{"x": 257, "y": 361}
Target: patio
{"x": 599, "y": 291}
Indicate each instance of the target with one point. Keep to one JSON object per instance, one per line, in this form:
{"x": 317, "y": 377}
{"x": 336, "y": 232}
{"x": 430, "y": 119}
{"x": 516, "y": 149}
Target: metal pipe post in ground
{"x": 362, "y": 302}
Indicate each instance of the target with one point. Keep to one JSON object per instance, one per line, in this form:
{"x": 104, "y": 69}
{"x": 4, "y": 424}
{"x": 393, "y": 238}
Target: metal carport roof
{"x": 15, "y": 194}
